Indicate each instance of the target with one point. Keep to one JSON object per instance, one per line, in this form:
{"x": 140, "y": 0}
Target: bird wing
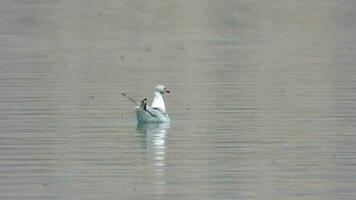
{"x": 153, "y": 111}
{"x": 129, "y": 98}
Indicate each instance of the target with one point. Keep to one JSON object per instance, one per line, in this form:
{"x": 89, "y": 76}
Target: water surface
{"x": 263, "y": 103}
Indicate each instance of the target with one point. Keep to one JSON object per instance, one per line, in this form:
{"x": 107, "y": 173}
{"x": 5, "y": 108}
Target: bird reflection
{"x": 156, "y": 134}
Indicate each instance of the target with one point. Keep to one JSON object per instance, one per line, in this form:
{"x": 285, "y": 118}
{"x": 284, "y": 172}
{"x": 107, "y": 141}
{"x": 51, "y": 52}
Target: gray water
{"x": 262, "y": 103}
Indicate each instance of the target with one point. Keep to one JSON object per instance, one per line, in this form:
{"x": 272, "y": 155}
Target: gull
{"x": 156, "y": 113}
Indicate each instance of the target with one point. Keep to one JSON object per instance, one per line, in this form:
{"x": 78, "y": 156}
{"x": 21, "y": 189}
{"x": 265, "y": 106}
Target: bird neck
{"x": 158, "y": 102}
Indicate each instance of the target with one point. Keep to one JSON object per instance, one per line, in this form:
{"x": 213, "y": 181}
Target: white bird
{"x": 157, "y": 112}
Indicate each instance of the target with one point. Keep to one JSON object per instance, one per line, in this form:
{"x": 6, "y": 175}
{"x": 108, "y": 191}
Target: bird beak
{"x": 167, "y": 91}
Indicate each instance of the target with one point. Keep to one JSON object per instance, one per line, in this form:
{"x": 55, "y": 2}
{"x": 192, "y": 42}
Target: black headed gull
{"x": 157, "y": 111}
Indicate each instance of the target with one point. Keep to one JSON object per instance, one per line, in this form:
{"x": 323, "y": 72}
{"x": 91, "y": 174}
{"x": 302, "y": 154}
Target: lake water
{"x": 262, "y": 103}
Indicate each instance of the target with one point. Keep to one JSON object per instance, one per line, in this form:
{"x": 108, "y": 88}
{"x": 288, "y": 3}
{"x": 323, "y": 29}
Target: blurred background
{"x": 262, "y": 103}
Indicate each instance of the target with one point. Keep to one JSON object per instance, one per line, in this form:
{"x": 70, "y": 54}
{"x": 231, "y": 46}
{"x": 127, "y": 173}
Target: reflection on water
{"x": 156, "y": 134}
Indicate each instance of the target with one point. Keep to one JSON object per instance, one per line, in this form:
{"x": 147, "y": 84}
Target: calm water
{"x": 263, "y": 103}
